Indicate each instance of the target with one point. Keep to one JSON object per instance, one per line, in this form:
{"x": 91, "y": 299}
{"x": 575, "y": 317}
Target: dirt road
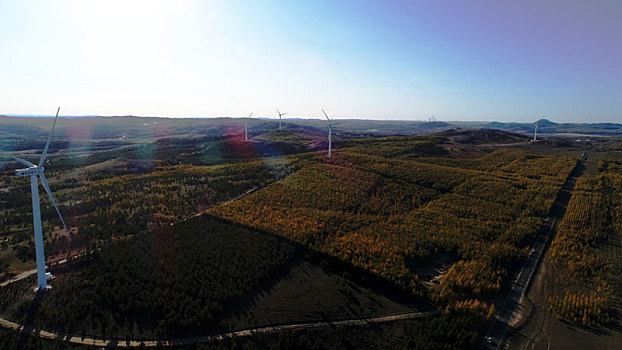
{"x": 19, "y": 277}
{"x": 498, "y": 331}
{"x": 94, "y": 341}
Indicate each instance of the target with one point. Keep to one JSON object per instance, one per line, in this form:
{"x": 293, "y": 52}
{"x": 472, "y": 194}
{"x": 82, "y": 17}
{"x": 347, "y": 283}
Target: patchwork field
{"x": 388, "y": 216}
{"x": 388, "y": 225}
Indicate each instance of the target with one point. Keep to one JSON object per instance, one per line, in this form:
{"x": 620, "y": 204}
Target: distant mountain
{"x": 46, "y": 116}
{"x": 546, "y": 126}
{"x": 610, "y": 126}
{"x": 545, "y": 123}
{"x": 18, "y": 131}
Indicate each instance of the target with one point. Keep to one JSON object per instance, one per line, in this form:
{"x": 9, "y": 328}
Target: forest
{"x": 174, "y": 280}
{"x": 101, "y": 208}
{"x": 388, "y": 215}
{"x": 442, "y": 226}
{"x": 588, "y": 269}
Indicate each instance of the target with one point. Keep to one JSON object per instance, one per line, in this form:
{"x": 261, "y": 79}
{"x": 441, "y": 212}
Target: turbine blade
{"x": 23, "y": 161}
{"x": 277, "y": 111}
{"x": 44, "y": 181}
{"x": 326, "y": 115}
{"x": 47, "y": 145}
{"x": 250, "y": 114}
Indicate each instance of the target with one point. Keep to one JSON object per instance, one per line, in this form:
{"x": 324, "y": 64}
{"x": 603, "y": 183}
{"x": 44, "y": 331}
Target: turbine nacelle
{"x": 34, "y": 170}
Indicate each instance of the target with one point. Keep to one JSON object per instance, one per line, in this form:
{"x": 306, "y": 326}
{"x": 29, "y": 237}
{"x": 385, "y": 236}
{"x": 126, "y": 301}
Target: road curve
{"x": 127, "y": 343}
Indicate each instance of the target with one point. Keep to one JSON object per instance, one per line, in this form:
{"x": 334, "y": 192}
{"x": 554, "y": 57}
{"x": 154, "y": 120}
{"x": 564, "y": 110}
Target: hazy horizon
{"x": 267, "y": 117}
{"x": 458, "y": 61}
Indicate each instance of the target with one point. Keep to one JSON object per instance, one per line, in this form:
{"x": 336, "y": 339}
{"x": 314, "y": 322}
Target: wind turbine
{"x": 280, "y": 115}
{"x": 535, "y": 132}
{"x": 33, "y": 171}
{"x": 246, "y": 126}
{"x": 330, "y": 132}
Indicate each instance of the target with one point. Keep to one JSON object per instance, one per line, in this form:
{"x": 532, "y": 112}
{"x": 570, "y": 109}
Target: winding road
{"x": 95, "y": 341}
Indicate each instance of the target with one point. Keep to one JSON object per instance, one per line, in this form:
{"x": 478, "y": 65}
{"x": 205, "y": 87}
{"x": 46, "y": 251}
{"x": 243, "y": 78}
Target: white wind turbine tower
{"x": 280, "y": 115}
{"x": 330, "y": 132}
{"x": 33, "y": 171}
{"x": 246, "y": 126}
{"x": 535, "y": 132}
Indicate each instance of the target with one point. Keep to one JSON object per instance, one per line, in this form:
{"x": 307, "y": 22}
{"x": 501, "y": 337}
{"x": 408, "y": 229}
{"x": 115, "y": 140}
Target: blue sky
{"x": 457, "y": 60}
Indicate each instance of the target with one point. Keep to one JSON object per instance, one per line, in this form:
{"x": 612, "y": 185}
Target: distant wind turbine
{"x": 280, "y": 115}
{"x": 330, "y": 132}
{"x": 33, "y": 171}
{"x": 246, "y": 126}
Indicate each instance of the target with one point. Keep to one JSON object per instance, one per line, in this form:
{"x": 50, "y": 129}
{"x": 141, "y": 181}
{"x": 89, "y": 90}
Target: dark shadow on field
{"x": 613, "y": 326}
{"x": 29, "y": 329}
{"x": 352, "y": 280}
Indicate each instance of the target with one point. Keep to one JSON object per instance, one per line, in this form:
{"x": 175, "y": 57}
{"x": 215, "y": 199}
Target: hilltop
{"x": 16, "y": 132}
{"x": 484, "y": 136}
{"x": 546, "y": 126}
